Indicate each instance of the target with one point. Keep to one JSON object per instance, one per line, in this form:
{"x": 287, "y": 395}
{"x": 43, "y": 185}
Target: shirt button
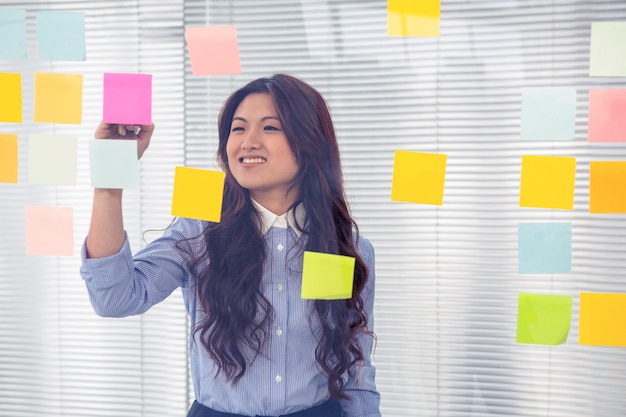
{"x": 280, "y": 246}
{"x": 279, "y": 331}
{"x": 280, "y": 287}
{"x": 278, "y": 378}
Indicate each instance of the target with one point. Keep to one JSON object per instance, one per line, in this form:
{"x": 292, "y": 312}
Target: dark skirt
{"x": 330, "y": 408}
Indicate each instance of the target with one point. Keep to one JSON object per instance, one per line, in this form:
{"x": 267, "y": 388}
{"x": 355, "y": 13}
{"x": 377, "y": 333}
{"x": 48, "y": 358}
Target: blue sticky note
{"x": 548, "y": 113}
{"x": 61, "y": 35}
{"x": 544, "y": 248}
{"x": 12, "y": 34}
{"x": 114, "y": 163}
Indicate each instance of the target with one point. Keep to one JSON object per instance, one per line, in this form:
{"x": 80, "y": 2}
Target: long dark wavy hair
{"x": 229, "y": 286}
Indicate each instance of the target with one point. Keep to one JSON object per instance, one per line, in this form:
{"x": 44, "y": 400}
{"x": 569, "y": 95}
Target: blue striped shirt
{"x": 286, "y": 378}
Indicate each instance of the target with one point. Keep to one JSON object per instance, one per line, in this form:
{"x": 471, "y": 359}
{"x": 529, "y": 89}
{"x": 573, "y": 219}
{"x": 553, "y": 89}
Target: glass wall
{"x": 448, "y": 277}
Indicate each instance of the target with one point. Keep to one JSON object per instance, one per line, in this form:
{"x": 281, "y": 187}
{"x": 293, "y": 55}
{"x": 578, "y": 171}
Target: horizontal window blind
{"x": 448, "y": 281}
{"x": 57, "y": 358}
{"x": 447, "y": 277}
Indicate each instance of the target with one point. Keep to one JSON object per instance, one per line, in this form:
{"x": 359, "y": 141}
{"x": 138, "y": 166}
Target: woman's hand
{"x": 141, "y": 134}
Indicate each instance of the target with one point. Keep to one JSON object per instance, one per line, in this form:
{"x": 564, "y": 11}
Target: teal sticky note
{"x": 61, "y": 35}
{"x": 12, "y": 34}
{"x": 52, "y": 159}
{"x": 543, "y": 319}
{"x": 607, "y": 51}
{"x": 114, "y": 163}
{"x": 544, "y": 248}
{"x": 548, "y": 114}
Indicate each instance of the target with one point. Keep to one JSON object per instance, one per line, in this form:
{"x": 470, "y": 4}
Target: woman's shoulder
{"x": 185, "y": 228}
{"x": 365, "y": 247}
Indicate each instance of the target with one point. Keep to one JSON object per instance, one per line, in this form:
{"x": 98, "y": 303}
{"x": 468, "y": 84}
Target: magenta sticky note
{"x": 127, "y": 99}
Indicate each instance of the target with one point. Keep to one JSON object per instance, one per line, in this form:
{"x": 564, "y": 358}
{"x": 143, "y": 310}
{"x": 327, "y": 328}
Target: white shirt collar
{"x": 269, "y": 219}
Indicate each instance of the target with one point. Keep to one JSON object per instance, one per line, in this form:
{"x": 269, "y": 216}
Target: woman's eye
{"x": 271, "y": 128}
{"x": 236, "y": 128}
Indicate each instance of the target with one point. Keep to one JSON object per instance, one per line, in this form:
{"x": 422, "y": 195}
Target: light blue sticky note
{"x": 61, "y": 35}
{"x": 52, "y": 159}
{"x": 12, "y": 34}
{"x": 544, "y": 248}
{"x": 114, "y": 163}
{"x": 548, "y": 113}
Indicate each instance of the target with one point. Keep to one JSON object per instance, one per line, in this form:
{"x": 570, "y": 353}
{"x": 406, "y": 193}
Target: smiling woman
{"x": 447, "y": 277}
{"x": 280, "y": 199}
{"x": 260, "y": 156}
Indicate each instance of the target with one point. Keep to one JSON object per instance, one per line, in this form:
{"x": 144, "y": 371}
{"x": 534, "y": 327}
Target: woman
{"x": 256, "y": 347}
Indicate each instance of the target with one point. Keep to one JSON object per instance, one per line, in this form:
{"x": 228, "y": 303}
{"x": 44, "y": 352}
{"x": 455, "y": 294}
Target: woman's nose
{"x": 251, "y": 140}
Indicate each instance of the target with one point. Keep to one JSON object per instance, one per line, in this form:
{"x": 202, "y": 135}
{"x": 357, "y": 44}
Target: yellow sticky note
{"x": 49, "y": 231}
{"x": 547, "y": 182}
{"x": 326, "y": 276}
{"x": 11, "y": 97}
{"x": 607, "y": 185}
{"x": 418, "y": 177}
{"x": 602, "y": 319}
{"x": 8, "y": 158}
{"x": 413, "y": 17}
{"x": 198, "y": 194}
{"x": 58, "y": 98}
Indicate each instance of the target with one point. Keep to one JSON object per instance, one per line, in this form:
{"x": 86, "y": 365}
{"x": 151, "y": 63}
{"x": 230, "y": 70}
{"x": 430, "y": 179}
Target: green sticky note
{"x": 607, "y": 52}
{"x": 198, "y": 194}
{"x": 326, "y": 276}
{"x": 543, "y": 319}
{"x": 52, "y": 159}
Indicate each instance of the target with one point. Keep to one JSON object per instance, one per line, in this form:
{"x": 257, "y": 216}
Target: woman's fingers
{"x": 142, "y": 133}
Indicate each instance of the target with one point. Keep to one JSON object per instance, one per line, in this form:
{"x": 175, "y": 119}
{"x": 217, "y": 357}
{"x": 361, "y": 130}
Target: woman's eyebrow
{"x": 263, "y": 119}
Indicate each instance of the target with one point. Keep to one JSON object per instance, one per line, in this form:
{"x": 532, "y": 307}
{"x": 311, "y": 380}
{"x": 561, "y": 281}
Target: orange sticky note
{"x": 606, "y": 116}
{"x": 8, "y": 158}
{"x": 49, "y": 231}
{"x": 547, "y": 182}
{"x": 418, "y": 177}
{"x": 602, "y": 319}
{"x": 198, "y": 194}
{"x": 607, "y": 187}
{"x": 326, "y": 276}
{"x": 413, "y": 18}
{"x": 58, "y": 98}
{"x": 11, "y": 97}
{"x": 213, "y": 50}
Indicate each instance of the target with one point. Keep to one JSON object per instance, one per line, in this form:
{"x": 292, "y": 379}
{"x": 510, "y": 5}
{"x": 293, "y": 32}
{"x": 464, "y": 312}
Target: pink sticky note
{"x": 49, "y": 231}
{"x": 213, "y": 50}
{"x": 127, "y": 99}
{"x": 606, "y": 116}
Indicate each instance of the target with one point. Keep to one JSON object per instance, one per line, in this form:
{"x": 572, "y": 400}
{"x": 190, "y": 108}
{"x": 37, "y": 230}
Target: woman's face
{"x": 259, "y": 155}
